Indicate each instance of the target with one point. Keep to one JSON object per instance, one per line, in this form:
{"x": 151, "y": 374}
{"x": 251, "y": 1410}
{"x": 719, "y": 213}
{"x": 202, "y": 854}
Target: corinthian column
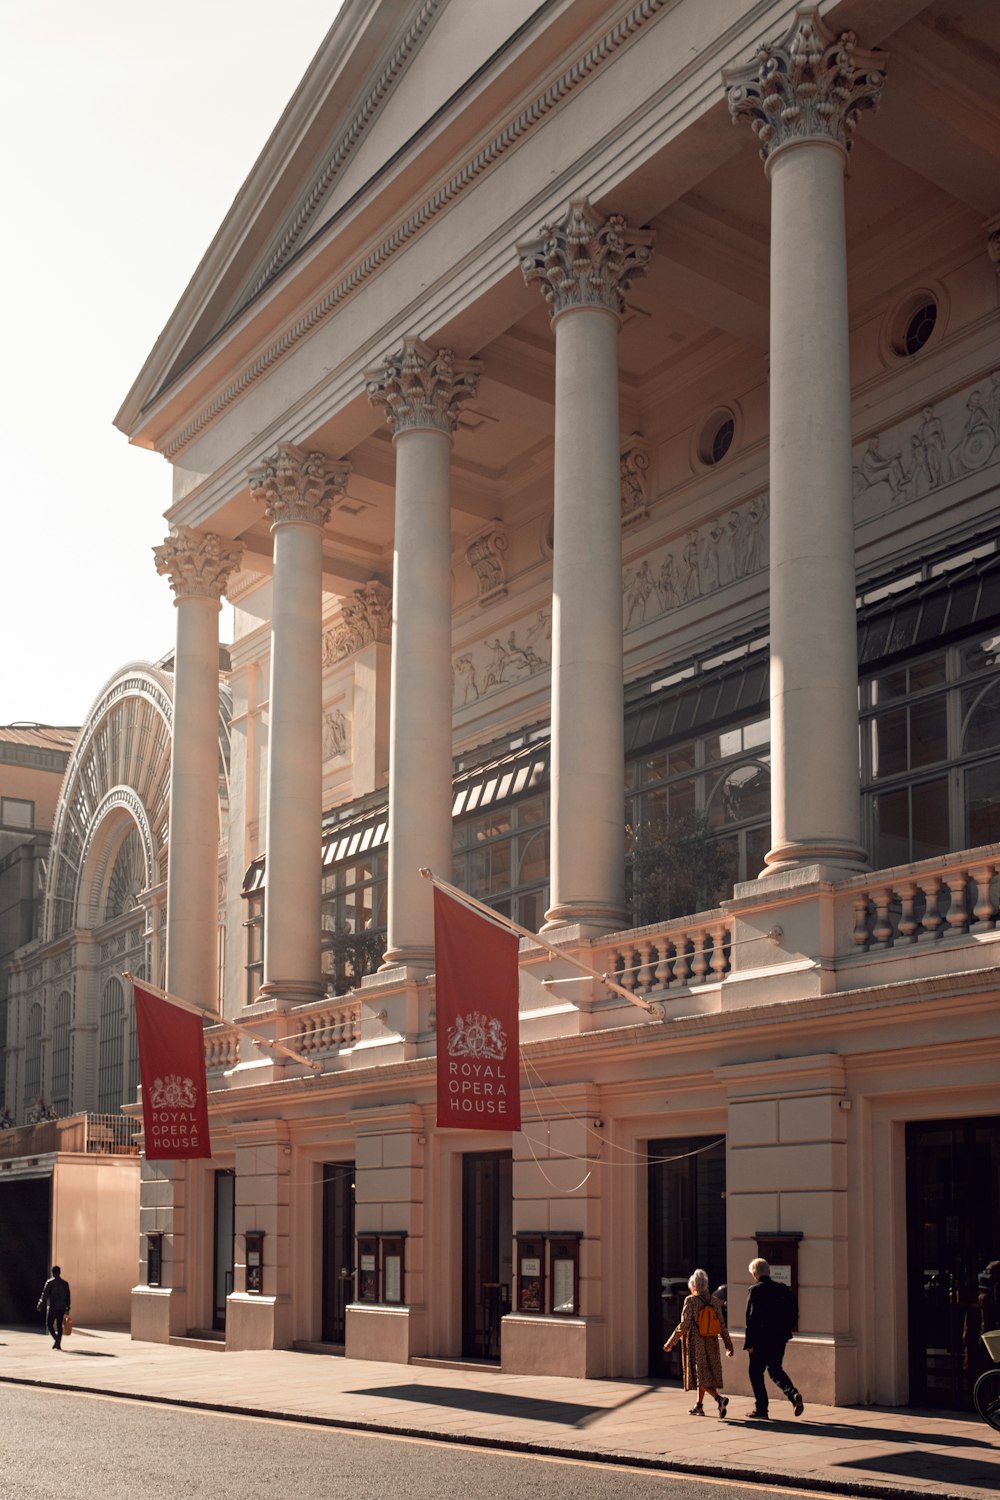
{"x": 298, "y": 490}
{"x": 584, "y": 266}
{"x": 198, "y": 566}
{"x": 422, "y": 393}
{"x": 803, "y": 96}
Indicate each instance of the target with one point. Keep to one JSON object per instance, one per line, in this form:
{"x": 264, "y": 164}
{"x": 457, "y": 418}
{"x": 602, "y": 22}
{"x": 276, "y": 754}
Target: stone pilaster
{"x": 584, "y": 265}
{"x": 803, "y": 97}
{"x": 298, "y": 490}
{"x": 422, "y": 392}
{"x": 198, "y": 565}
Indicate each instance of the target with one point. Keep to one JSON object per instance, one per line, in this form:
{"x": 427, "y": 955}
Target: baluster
{"x": 882, "y": 930}
{"x": 699, "y": 964}
{"x": 629, "y": 972}
{"x": 720, "y": 965}
{"x": 861, "y": 934}
{"x": 682, "y": 968}
{"x": 644, "y": 981}
{"x": 662, "y": 966}
{"x": 984, "y": 912}
{"x": 908, "y": 923}
{"x": 958, "y": 916}
{"x": 932, "y": 921}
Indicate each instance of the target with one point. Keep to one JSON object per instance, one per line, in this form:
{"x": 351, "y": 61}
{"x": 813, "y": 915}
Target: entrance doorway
{"x": 952, "y": 1234}
{"x": 487, "y": 1250}
{"x": 338, "y": 1249}
{"x": 687, "y": 1229}
{"x": 225, "y": 1244}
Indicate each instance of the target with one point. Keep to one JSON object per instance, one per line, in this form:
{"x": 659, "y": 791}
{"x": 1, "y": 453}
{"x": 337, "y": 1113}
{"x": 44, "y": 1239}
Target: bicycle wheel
{"x": 986, "y": 1397}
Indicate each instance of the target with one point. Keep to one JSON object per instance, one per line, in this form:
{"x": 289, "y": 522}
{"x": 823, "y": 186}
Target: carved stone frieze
{"x": 420, "y": 387}
{"x": 297, "y": 486}
{"x": 364, "y": 618}
{"x": 724, "y": 550}
{"x": 198, "y": 563}
{"x": 491, "y": 665}
{"x": 485, "y": 556}
{"x": 633, "y": 468}
{"x": 334, "y": 735}
{"x": 810, "y": 85}
{"x": 586, "y": 261}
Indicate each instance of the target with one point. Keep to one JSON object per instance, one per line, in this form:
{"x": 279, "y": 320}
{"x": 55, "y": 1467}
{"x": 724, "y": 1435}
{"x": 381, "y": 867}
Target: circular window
{"x": 913, "y": 324}
{"x": 717, "y": 437}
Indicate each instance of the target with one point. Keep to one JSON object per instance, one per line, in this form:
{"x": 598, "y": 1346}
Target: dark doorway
{"x": 25, "y": 1229}
{"x": 952, "y": 1234}
{"x": 687, "y": 1229}
{"x": 225, "y": 1243}
{"x": 338, "y": 1249}
{"x": 487, "y": 1250}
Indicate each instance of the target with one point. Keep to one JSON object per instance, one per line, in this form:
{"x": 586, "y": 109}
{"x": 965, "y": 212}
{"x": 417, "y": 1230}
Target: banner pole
{"x": 211, "y": 1015}
{"x": 649, "y": 1006}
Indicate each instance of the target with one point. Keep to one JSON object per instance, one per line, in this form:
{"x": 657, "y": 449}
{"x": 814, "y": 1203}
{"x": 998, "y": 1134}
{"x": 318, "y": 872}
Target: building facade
{"x": 592, "y": 411}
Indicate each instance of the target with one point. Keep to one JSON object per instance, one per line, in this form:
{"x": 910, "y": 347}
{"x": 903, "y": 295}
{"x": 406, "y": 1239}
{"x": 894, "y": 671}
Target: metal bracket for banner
{"x": 651, "y": 1007}
{"x": 210, "y": 1016}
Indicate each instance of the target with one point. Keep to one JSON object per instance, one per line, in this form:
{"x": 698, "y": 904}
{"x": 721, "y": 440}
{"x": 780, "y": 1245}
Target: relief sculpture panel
{"x": 722, "y": 551}
{"x": 494, "y": 664}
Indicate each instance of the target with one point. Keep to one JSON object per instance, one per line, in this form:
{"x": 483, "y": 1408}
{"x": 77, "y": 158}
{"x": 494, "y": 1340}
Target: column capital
{"x": 198, "y": 563}
{"x": 809, "y": 86}
{"x": 419, "y": 387}
{"x": 586, "y": 261}
{"x": 295, "y": 485}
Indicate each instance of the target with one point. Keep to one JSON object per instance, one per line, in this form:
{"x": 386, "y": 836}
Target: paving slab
{"x": 865, "y": 1451}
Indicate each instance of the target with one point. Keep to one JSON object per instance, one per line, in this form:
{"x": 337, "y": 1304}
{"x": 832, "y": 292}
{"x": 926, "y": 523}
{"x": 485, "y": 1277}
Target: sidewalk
{"x": 859, "y": 1451}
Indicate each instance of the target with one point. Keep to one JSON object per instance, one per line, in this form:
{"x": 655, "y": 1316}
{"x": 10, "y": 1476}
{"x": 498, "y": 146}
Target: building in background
{"x": 605, "y": 479}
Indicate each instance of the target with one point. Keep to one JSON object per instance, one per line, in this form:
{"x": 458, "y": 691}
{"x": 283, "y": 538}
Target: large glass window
{"x": 254, "y": 925}
{"x": 354, "y": 920}
{"x": 502, "y": 858}
{"x": 61, "y": 1055}
{"x": 111, "y": 1048}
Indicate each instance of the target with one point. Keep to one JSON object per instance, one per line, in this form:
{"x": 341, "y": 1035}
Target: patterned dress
{"x": 702, "y": 1360}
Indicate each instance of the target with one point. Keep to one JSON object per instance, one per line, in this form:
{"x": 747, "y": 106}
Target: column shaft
{"x": 587, "y": 840}
{"x": 420, "y": 732}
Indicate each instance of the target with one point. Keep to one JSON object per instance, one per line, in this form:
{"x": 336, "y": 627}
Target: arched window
{"x": 33, "y": 1057}
{"x": 111, "y": 1048}
{"x": 61, "y": 1055}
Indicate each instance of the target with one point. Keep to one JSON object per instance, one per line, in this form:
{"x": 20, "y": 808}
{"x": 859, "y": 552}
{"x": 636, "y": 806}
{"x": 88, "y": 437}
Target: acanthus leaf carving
{"x": 485, "y": 556}
{"x": 197, "y": 563}
{"x": 586, "y": 261}
{"x": 295, "y": 485}
{"x": 364, "y": 618}
{"x": 420, "y": 387}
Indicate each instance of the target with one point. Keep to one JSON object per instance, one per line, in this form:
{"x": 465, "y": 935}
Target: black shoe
{"x": 757, "y": 1416}
{"x": 797, "y": 1403}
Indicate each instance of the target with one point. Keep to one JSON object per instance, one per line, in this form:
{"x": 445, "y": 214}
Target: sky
{"x": 128, "y": 130}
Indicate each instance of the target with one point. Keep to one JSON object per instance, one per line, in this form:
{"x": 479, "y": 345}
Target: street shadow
{"x": 90, "y": 1353}
{"x": 490, "y": 1403}
{"x": 862, "y": 1432}
{"x": 943, "y": 1466}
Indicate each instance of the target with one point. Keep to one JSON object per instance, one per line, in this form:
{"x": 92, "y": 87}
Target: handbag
{"x": 67, "y": 1324}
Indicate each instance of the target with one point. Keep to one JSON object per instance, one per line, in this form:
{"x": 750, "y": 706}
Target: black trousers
{"x": 54, "y": 1323}
{"x": 768, "y": 1358}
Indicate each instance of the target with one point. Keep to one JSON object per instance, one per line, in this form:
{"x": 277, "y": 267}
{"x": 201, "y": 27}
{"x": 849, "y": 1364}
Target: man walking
{"x": 771, "y": 1317}
{"x": 54, "y": 1302}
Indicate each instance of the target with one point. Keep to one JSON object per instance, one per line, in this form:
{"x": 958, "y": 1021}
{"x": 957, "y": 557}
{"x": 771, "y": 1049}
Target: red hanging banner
{"x": 478, "y": 1056}
{"x": 174, "y": 1090}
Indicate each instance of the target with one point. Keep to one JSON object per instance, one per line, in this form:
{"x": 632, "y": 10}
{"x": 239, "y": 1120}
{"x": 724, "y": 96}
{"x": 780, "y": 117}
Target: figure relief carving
{"x": 419, "y": 387}
{"x": 297, "y": 486}
{"x": 364, "y": 618}
{"x": 810, "y": 85}
{"x": 633, "y": 468}
{"x": 485, "y": 556}
{"x": 722, "y": 551}
{"x": 494, "y": 664}
{"x": 197, "y": 562}
{"x": 586, "y": 261}
{"x": 930, "y": 449}
{"x": 334, "y": 735}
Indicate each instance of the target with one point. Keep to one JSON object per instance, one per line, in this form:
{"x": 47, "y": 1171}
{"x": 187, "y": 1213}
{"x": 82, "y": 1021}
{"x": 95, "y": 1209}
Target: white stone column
{"x": 422, "y": 393}
{"x": 803, "y": 96}
{"x": 298, "y": 490}
{"x": 198, "y": 565}
{"x": 584, "y": 266}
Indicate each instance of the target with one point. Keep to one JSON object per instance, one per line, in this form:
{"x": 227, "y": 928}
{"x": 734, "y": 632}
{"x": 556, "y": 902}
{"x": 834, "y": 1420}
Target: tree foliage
{"x": 673, "y": 868}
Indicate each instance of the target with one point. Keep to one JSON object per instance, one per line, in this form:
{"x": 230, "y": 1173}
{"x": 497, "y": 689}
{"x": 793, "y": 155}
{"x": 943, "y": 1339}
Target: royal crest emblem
{"x": 476, "y": 1035}
{"x": 174, "y": 1092}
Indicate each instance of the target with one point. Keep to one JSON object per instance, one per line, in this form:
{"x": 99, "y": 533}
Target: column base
{"x": 415, "y": 963}
{"x": 590, "y": 918}
{"x": 392, "y": 1335}
{"x": 254, "y": 1322}
{"x": 832, "y": 855}
{"x": 569, "y": 1347}
{"x": 158, "y": 1313}
{"x": 284, "y": 993}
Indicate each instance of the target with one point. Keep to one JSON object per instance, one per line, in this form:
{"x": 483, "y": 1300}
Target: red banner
{"x": 174, "y": 1091}
{"x": 478, "y": 1057}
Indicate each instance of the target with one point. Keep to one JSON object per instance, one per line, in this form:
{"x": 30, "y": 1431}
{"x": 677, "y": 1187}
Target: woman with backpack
{"x": 701, "y": 1326}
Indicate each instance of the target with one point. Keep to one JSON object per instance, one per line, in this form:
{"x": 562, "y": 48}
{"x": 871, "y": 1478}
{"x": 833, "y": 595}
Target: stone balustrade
{"x": 222, "y": 1048}
{"x": 326, "y": 1027}
{"x": 668, "y": 956}
{"x": 928, "y": 902}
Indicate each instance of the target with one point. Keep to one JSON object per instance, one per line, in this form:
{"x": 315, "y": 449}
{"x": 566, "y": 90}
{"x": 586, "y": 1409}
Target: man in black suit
{"x": 54, "y": 1302}
{"x": 771, "y": 1317}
